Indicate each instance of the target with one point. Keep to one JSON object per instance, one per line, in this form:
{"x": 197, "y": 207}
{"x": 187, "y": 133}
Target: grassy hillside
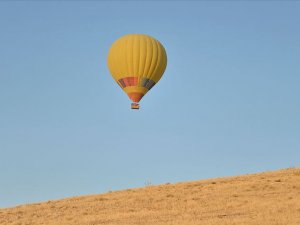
{"x": 271, "y": 198}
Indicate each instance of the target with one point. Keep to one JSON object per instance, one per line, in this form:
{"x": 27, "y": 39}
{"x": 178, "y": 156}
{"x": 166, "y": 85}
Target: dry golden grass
{"x": 271, "y": 198}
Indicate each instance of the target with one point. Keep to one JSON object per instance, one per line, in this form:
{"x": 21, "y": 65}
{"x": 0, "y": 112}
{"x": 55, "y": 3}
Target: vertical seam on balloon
{"x": 117, "y": 59}
{"x": 122, "y": 63}
{"x": 138, "y": 55}
{"x": 130, "y": 55}
{"x": 133, "y": 55}
{"x": 145, "y": 62}
{"x": 123, "y": 53}
{"x": 126, "y": 56}
{"x": 141, "y": 62}
{"x": 154, "y": 63}
{"x": 152, "y": 53}
{"x": 150, "y": 57}
{"x": 158, "y": 62}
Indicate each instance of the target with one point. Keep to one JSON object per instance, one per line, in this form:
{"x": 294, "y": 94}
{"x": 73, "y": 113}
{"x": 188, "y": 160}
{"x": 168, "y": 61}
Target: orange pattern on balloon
{"x": 135, "y": 97}
{"x": 129, "y": 81}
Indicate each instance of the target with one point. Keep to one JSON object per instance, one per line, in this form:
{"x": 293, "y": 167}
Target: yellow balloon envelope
{"x": 137, "y": 62}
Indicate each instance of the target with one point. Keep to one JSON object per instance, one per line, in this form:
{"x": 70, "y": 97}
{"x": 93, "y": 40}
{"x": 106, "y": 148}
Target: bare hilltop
{"x": 270, "y": 198}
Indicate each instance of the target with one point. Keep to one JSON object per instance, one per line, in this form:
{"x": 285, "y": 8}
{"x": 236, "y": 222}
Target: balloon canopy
{"x": 137, "y": 62}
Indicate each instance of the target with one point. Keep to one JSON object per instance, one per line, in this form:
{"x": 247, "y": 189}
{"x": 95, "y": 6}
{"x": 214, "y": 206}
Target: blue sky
{"x": 228, "y": 103}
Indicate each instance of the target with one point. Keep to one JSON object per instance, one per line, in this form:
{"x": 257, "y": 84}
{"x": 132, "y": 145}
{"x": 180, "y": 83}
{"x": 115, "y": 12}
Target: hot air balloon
{"x": 136, "y": 62}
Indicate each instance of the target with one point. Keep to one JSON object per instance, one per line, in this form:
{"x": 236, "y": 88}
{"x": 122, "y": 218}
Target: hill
{"x": 270, "y": 198}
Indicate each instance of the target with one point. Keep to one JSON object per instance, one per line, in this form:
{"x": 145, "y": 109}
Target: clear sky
{"x": 228, "y": 103}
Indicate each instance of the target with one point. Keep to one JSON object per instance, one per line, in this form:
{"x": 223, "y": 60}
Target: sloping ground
{"x": 271, "y": 198}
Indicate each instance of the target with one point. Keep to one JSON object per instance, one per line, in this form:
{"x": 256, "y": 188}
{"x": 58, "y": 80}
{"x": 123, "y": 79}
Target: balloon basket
{"x": 135, "y": 106}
